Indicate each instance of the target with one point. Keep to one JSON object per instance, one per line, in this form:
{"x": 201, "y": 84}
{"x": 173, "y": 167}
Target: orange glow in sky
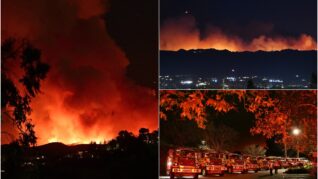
{"x": 87, "y": 94}
{"x": 182, "y": 33}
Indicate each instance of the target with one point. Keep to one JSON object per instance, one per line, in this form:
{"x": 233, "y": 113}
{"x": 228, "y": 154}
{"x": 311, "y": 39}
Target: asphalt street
{"x": 259, "y": 175}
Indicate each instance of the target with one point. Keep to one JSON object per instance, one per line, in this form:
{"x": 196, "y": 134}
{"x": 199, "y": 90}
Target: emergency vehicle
{"x": 251, "y": 163}
{"x": 211, "y": 163}
{"x": 235, "y": 163}
{"x": 183, "y": 162}
{"x": 262, "y": 163}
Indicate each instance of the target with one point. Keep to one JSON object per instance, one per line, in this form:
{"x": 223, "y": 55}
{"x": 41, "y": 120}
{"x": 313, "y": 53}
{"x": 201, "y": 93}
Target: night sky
{"x": 237, "y": 22}
{"x": 284, "y": 17}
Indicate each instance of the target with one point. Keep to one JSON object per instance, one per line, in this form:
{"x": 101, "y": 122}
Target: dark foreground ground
{"x": 126, "y": 157}
{"x": 259, "y": 175}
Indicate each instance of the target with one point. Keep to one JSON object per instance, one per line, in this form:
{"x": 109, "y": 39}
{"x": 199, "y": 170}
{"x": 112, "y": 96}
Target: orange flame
{"x": 182, "y": 33}
{"x": 90, "y": 119}
{"x": 86, "y": 95}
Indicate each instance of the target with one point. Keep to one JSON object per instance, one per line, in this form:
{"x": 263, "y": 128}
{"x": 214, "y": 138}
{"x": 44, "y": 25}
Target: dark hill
{"x": 218, "y": 63}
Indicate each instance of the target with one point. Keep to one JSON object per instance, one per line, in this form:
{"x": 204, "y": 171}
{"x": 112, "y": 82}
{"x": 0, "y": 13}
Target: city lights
{"x": 231, "y": 82}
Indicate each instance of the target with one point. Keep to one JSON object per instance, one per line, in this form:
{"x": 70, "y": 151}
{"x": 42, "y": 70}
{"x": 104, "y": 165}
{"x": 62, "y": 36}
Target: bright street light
{"x": 296, "y": 131}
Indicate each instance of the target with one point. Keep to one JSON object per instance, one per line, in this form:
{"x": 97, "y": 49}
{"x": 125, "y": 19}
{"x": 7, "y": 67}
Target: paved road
{"x": 259, "y": 175}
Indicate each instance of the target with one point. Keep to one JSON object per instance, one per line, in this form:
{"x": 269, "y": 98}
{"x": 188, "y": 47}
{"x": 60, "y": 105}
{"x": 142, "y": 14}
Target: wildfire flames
{"x": 182, "y": 33}
{"x": 87, "y": 95}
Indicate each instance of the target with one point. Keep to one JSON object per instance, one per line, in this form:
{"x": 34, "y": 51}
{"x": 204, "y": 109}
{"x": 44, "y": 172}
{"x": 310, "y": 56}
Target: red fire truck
{"x": 274, "y": 164}
{"x": 251, "y": 163}
{"x": 293, "y": 162}
{"x": 235, "y": 163}
{"x": 182, "y": 162}
{"x": 284, "y": 163}
{"x": 263, "y": 163}
{"x": 211, "y": 163}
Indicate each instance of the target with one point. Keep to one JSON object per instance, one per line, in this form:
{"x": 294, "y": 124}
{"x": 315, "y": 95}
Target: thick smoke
{"x": 183, "y": 33}
{"x": 133, "y": 26}
{"x": 87, "y": 94}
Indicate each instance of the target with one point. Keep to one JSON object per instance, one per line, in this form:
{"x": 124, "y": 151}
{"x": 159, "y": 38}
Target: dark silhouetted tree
{"x": 220, "y": 137}
{"x": 250, "y": 84}
{"x": 126, "y": 140}
{"x": 179, "y": 131}
{"x": 144, "y": 134}
{"x": 154, "y": 137}
{"x": 21, "y": 75}
{"x": 274, "y": 148}
{"x": 313, "y": 81}
{"x": 255, "y": 150}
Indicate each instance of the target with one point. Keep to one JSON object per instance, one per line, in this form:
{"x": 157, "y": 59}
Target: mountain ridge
{"x": 219, "y": 63}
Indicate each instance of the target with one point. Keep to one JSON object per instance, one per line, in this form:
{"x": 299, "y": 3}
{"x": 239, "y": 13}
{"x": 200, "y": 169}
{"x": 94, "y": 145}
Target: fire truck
{"x": 251, "y": 163}
{"x": 235, "y": 163}
{"x": 263, "y": 163}
{"x": 183, "y": 162}
{"x": 211, "y": 163}
{"x": 304, "y": 162}
{"x": 284, "y": 163}
{"x": 293, "y": 162}
{"x": 274, "y": 162}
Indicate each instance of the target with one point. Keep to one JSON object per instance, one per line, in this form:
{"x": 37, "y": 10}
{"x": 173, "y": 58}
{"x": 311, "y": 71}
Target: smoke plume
{"x": 183, "y": 33}
{"x": 87, "y": 95}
